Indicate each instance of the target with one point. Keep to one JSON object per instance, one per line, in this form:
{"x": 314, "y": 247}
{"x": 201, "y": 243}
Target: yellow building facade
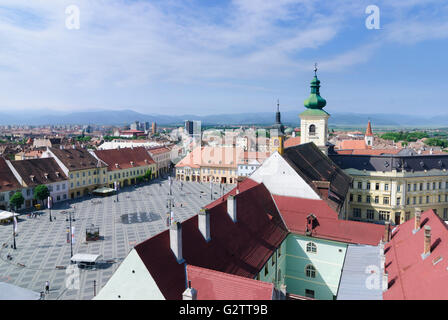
{"x": 378, "y": 196}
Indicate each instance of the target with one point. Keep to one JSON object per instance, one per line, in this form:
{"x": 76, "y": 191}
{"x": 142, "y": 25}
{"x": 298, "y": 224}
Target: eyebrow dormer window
{"x": 311, "y": 247}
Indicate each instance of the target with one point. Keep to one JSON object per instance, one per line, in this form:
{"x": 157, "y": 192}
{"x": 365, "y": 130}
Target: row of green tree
{"x": 437, "y": 142}
{"x": 83, "y": 138}
{"x": 404, "y": 136}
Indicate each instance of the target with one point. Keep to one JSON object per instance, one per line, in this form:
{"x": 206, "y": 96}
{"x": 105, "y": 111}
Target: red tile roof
{"x": 353, "y": 144}
{"x": 373, "y": 152}
{"x": 240, "y": 248}
{"x": 76, "y": 158}
{"x": 7, "y": 180}
{"x": 123, "y": 157}
{"x": 291, "y": 142}
{"x": 159, "y": 150}
{"x": 215, "y": 285}
{"x": 411, "y": 277}
{"x": 296, "y": 210}
{"x": 39, "y": 171}
{"x": 224, "y": 157}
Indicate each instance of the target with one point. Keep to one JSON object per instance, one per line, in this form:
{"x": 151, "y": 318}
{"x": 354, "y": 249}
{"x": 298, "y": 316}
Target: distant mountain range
{"x": 121, "y": 117}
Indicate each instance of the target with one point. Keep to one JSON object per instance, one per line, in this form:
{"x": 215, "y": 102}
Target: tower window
{"x": 312, "y": 130}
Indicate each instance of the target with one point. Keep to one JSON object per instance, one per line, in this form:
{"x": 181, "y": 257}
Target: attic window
{"x": 436, "y": 260}
{"x": 386, "y": 164}
{"x": 32, "y": 178}
{"x": 422, "y": 164}
{"x": 46, "y": 175}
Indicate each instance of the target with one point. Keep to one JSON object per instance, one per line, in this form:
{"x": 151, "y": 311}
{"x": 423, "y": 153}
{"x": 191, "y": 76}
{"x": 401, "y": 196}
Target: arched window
{"x": 312, "y": 130}
{"x": 311, "y": 247}
{"x": 310, "y": 271}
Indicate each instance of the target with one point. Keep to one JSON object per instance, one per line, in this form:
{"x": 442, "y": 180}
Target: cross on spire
{"x": 278, "y": 105}
{"x": 315, "y": 69}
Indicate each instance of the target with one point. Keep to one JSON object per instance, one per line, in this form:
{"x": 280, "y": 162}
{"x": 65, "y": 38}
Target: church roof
{"x": 369, "y": 130}
{"x": 313, "y": 166}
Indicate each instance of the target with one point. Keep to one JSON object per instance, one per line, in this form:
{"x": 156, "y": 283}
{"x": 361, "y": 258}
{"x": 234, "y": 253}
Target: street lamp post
{"x": 94, "y": 288}
{"x": 71, "y": 234}
{"x": 211, "y": 190}
{"x": 14, "y": 230}
{"x": 50, "y": 203}
{"x": 169, "y": 206}
{"x": 116, "y": 188}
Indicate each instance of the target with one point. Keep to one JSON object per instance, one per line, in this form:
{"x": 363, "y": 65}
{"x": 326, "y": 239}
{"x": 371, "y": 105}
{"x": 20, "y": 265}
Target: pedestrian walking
{"x": 47, "y": 287}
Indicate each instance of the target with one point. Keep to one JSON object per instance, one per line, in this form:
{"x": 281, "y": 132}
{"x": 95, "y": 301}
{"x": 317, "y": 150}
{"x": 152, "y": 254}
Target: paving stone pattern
{"x": 43, "y": 253}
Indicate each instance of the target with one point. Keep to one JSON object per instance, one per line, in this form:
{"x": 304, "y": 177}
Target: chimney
{"x": 190, "y": 293}
{"x": 417, "y": 221}
{"x": 204, "y": 223}
{"x": 176, "y": 240}
{"x": 385, "y": 281}
{"x": 427, "y": 243}
{"x": 386, "y": 236}
{"x": 231, "y": 207}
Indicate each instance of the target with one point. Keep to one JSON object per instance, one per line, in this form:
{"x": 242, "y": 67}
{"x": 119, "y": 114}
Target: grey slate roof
{"x": 313, "y": 165}
{"x": 390, "y": 162}
{"x": 359, "y": 261}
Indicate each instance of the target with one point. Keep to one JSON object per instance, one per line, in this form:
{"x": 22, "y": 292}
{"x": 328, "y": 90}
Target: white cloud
{"x": 139, "y": 44}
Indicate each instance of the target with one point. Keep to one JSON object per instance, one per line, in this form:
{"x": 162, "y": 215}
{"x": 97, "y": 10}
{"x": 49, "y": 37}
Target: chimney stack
{"x": 190, "y": 293}
{"x": 427, "y": 243}
{"x": 386, "y": 237}
{"x": 385, "y": 281}
{"x": 176, "y": 240}
{"x": 231, "y": 207}
{"x": 204, "y": 223}
{"x": 417, "y": 221}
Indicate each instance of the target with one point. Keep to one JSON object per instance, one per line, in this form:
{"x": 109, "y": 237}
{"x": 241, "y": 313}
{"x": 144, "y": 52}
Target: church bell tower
{"x": 314, "y": 120}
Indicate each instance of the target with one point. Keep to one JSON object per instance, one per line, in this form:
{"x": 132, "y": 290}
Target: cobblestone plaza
{"x": 43, "y": 252}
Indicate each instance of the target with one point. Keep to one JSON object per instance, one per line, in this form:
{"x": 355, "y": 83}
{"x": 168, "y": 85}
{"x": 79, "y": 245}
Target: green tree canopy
{"x": 404, "y": 136}
{"x": 148, "y": 174}
{"x": 41, "y": 192}
{"x": 16, "y": 200}
{"x": 437, "y": 142}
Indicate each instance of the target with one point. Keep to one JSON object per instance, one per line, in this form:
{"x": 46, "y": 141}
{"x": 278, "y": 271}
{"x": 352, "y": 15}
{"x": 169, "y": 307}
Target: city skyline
{"x": 166, "y": 57}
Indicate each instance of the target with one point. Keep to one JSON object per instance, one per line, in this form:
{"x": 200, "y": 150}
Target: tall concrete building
{"x": 154, "y": 128}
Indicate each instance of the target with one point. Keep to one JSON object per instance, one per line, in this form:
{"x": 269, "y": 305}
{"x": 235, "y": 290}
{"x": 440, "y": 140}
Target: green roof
{"x": 314, "y": 112}
{"x": 315, "y": 101}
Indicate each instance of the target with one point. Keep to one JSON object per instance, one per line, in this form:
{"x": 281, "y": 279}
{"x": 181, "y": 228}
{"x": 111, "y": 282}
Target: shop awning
{"x": 5, "y": 215}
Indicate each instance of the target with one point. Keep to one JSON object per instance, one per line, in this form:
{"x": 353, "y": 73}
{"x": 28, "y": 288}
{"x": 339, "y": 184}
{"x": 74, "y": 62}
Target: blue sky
{"x": 208, "y": 57}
